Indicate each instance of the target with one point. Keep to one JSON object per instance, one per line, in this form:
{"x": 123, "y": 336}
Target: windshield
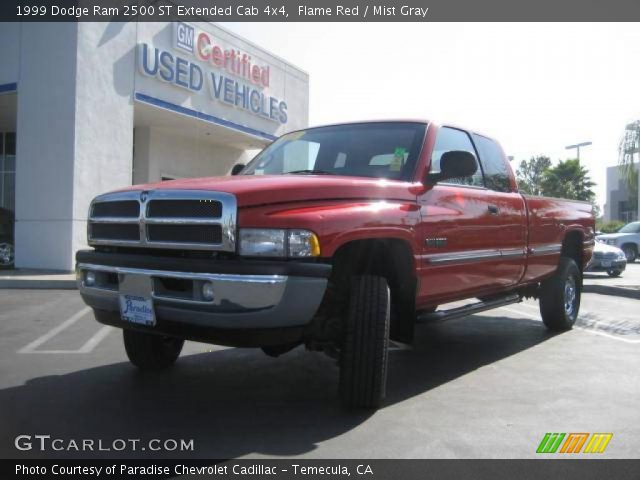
{"x": 379, "y": 150}
{"x": 630, "y": 228}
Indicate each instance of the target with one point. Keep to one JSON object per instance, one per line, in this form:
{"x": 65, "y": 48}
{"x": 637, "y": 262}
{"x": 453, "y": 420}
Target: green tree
{"x": 629, "y": 147}
{"x": 530, "y": 174}
{"x": 568, "y": 179}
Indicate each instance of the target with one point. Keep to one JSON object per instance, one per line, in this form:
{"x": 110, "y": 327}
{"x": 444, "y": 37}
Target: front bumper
{"x": 598, "y": 265}
{"x": 252, "y": 297}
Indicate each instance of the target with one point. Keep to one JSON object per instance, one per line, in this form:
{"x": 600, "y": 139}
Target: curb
{"x": 35, "y": 284}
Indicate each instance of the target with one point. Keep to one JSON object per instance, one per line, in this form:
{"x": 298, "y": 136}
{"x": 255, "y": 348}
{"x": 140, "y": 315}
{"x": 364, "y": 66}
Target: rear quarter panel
{"x": 550, "y": 220}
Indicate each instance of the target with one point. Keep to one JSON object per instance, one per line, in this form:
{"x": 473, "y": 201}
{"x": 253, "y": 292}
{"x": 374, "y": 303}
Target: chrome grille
{"x": 210, "y": 234}
{"x": 114, "y": 231}
{"x": 124, "y": 209}
{"x": 178, "y": 219}
{"x": 184, "y": 208}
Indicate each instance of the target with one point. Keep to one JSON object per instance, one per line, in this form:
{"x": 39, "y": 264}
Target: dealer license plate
{"x": 138, "y": 310}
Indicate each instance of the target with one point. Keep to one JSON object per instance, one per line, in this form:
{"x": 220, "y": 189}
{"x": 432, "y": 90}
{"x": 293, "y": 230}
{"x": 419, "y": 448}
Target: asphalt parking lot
{"x": 486, "y": 386}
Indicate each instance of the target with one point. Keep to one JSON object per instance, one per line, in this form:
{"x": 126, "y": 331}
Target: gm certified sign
{"x": 184, "y": 36}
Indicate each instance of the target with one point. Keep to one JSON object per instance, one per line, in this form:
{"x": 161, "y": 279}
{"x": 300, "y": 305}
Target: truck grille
{"x": 208, "y": 234}
{"x": 184, "y": 208}
{"x": 115, "y": 231}
{"x": 178, "y": 219}
{"x": 127, "y": 208}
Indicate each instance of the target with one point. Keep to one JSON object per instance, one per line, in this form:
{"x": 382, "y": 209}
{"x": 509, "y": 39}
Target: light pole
{"x": 577, "y": 147}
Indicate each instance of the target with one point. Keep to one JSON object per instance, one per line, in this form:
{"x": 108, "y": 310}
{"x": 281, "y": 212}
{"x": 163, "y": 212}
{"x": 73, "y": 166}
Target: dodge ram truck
{"x": 338, "y": 238}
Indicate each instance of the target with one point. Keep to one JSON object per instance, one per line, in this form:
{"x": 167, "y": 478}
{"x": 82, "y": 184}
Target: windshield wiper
{"x": 313, "y": 172}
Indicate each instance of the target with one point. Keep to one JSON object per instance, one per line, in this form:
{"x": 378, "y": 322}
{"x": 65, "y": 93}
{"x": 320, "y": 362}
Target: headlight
{"x": 303, "y": 243}
{"x": 621, "y": 255}
{"x": 262, "y": 242}
{"x": 267, "y": 242}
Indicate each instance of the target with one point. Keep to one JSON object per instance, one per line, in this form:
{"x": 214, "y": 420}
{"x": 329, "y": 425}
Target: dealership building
{"x": 90, "y": 107}
{"x": 619, "y": 205}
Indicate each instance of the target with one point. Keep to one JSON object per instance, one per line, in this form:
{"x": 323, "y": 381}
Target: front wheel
{"x": 365, "y": 345}
{"x": 560, "y": 296}
{"x": 614, "y": 273}
{"x": 151, "y": 352}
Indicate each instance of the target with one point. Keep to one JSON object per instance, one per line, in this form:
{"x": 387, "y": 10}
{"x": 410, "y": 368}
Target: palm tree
{"x": 629, "y": 147}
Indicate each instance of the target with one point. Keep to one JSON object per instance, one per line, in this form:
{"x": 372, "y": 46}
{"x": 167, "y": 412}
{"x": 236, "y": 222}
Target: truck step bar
{"x": 481, "y": 306}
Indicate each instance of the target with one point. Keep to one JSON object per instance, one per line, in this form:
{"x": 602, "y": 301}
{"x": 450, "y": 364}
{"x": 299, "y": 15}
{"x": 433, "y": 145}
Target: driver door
{"x": 460, "y": 231}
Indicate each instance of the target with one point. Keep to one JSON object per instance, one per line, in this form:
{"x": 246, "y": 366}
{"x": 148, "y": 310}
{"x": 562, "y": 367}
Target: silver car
{"x": 607, "y": 259}
{"x": 627, "y": 239}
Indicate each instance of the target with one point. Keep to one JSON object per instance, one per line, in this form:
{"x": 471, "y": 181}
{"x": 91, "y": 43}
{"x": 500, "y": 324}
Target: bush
{"x": 609, "y": 227}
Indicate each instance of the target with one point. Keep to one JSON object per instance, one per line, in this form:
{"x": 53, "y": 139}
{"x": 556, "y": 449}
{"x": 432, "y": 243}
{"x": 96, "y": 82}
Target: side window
{"x": 452, "y": 139}
{"x": 496, "y": 172}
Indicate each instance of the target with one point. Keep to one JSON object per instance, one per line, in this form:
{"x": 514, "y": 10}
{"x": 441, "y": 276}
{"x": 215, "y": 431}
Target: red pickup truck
{"x": 338, "y": 237}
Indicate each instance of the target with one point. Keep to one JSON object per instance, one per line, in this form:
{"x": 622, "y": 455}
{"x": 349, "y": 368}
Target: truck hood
{"x": 252, "y": 190}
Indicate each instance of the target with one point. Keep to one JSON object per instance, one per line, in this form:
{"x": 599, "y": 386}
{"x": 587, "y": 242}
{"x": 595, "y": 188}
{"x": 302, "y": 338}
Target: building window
{"x": 8, "y": 170}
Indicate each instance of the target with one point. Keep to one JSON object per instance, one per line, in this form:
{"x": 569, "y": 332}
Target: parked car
{"x": 338, "y": 238}
{"x": 607, "y": 259}
{"x": 6, "y": 238}
{"x": 627, "y": 239}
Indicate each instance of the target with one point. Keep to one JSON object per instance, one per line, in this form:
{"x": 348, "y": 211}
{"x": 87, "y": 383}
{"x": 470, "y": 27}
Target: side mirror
{"x": 237, "y": 168}
{"x": 455, "y": 164}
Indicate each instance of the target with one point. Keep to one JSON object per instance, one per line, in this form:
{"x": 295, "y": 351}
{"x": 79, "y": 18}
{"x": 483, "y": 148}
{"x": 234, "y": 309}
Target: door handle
{"x": 493, "y": 209}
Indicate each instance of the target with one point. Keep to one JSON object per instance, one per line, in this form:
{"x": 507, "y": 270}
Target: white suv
{"x": 627, "y": 239}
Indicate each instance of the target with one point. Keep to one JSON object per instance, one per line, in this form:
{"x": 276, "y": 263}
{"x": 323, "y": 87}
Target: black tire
{"x": 7, "y": 254}
{"x": 365, "y": 345}
{"x": 277, "y": 350}
{"x": 560, "y": 296}
{"x": 151, "y": 352}
{"x": 614, "y": 273}
{"x": 630, "y": 252}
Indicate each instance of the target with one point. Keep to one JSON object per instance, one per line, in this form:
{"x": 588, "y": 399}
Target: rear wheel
{"x": 614, "y": 273}
{"x": 630, "y": 252}
{"x": 151, "y": 352}
{"x": 560, "y": 296}
{"x": 365, "y": 344}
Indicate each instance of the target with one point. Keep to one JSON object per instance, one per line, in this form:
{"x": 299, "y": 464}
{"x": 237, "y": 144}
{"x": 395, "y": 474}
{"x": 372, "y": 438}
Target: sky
{"x": 536, "y": 87}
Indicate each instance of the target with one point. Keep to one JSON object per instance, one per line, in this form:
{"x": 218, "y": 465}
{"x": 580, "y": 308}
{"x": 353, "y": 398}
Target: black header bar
{"x": 293, "y": 469}
{"x": 319, "y": 10}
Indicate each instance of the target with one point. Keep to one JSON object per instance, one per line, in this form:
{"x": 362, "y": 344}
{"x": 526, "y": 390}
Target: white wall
{"x": 612, "y": 184}
{"x": 75, "y": 133}
{"x": 161, "y": 152}
{"x": 104, "y": 116}
{"x": 45, "y": 145}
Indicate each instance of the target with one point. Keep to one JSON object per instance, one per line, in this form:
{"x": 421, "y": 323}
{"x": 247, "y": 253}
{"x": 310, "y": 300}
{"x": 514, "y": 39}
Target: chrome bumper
{"x": 597, "y": 265}
{"x": 239, "y": 301}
